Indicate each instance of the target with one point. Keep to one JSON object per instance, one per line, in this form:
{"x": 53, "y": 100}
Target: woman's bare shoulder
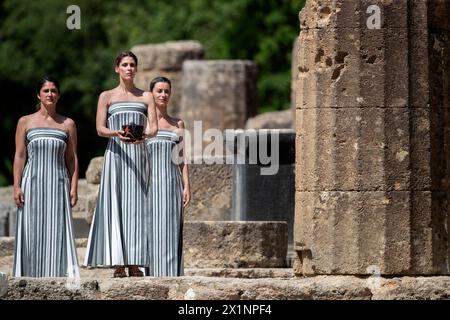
{"x": 147, "y": 96}
{"x": 68, "y": 122}
{"x": 26, "y": 121}
{"x": 106, "y": 95}
{"x": 179, "y": 122}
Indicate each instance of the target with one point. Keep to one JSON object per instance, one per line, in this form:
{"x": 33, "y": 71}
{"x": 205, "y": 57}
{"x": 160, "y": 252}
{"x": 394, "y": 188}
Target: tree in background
{"x": 34, "y": 41}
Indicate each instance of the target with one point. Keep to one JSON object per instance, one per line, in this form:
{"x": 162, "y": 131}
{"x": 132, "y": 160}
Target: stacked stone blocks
{"x": 371, "y": 150}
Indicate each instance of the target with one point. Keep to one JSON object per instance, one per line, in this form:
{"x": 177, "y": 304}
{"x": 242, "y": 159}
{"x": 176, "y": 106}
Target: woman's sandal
{"x": 120, "y": 272}
{"x": 133, "y": 271}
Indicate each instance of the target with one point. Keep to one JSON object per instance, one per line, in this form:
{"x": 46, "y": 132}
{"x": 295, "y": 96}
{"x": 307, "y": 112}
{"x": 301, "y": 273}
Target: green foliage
{"x": 35, "y": 41}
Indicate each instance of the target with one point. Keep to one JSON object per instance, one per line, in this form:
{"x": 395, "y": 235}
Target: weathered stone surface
{"x": 6, "y": 246}
{"x": 220, "y": 93}
{"x": 6, "y": 265}
{"x": 235, "y": 244}
{"x": 3, "y": 284}
{"x": 328, "y": 235}
{"x": 354, "y": 149}
{"x": 372, "y": 140}
{"x": 143, "y": 79}
{"x": 203, "y": 288}
{"x": 94, "y": 170}
{"x": 91, "y": 202}
{"x": 372, "y": 149}
{"x": 274, "y": 289}
{"x": 6, "y": 210}
{"x": 81, "y": 227}
{"x": 439, "y": 66}
{"x": 271, "y": 120}
{"x": 211, "y": 190}
{"x": 51, "y": 289}
{"x": 439, "y": 15}
{"x": 419, "y": 93}
{"x": 81, "y": 243}
{"x": 6, "y": 194}
{"x": 87, "y": 197}
{"x": 352, "y": 14}
{"x": 342, "y": 68}
{"x": 242, "y": 273}
{"x": 347, "y": 232}
{"x": 167, "y": 56}
{"x": 410, "y": 288}
{"x": 429, "y": 232}
{"x": 85, "y": 192}
{"x": 294, "y": 76}
{"x": 139, "y": 290}
{"x": 12, "y": 223}
{"x": 221, "y": 244}
{"x": 439, "y": 53}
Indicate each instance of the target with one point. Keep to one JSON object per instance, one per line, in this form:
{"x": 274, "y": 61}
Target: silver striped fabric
{"x": 166, "y": 207}
{"x": 119, "y": 231}
{"x": 44, "y": 244}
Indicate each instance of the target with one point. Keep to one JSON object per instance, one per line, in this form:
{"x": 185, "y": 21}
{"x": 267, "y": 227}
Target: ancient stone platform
{"x": 213, "y": 283}
{"x": 211, "y": 244}
{"x": 218, "y": 288}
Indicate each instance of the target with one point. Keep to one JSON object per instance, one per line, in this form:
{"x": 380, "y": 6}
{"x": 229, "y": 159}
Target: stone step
{"x": 206, "y": 288}
{"x": 217, "y": 244}
{"x": 6, "y": 265}
{"x": 247, "y": 273}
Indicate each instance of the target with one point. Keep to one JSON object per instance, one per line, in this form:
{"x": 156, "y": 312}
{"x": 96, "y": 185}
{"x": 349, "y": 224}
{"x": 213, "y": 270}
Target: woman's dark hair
{"x": 159, "y": 79}
{"x": 124, "y": 54}
{"x": 41, "y": 83}
{"x": 43, "y": 80}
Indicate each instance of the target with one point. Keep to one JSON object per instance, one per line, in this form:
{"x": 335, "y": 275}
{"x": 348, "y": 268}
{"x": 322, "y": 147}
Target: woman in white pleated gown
{"x": 45, "y": 189}
{"x": 169, "y": 187}
{"x": 119, "y": 235}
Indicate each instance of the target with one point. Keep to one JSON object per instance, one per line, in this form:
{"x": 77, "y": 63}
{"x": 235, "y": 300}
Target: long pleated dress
{"x": 44, "y": 244}
{"x": 119, "y": 231}
{"x": 166, "y": 207}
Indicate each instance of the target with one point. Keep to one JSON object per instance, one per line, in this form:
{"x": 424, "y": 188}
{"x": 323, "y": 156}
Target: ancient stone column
{"x": 220, "y": 93}
{"x": 294, "y": 75}
{"x": 165, "y": 59}
{"x": 372, "y": 123}
{"x": 216, "y": 94}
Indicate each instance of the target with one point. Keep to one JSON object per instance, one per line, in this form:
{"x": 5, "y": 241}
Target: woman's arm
{"x": 184, "y": 171}
{"x": 72, "y": 161}
{"x": 102, "y": 113}
{"x": 20, "y": 158}
{"x": 152, "y": 122}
